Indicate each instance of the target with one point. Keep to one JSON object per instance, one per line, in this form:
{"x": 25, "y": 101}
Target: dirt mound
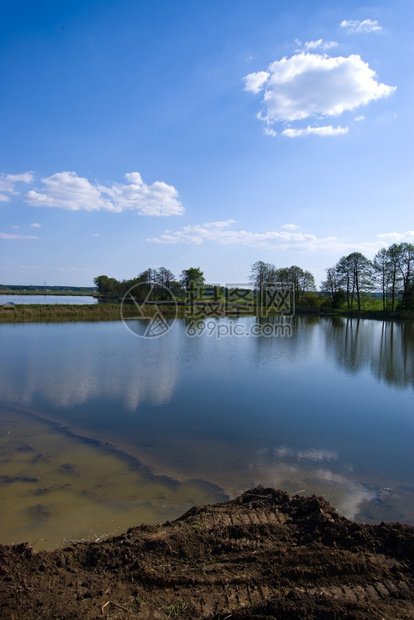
{"x": 264, "y": 555}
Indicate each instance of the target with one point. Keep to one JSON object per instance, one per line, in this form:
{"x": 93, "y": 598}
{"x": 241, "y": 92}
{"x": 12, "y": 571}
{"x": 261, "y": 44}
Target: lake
{"x": 48, "y": 299}
{"x": 102, "y": 430}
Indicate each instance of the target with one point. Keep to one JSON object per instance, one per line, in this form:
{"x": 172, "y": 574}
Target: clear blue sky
{"x": 202, "y": 133}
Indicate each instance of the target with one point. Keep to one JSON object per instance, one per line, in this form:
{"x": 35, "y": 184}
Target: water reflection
{"x": 312, "y": 412}
{"x": 70, "y": 367}
{"x": 386, "y": 348}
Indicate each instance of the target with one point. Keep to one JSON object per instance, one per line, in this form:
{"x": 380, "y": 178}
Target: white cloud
{"x": 313, "y": 86}
{"x": 355, "y": 25}
{"x": 66, "y": 190}
{"x": 255, "y": 81}
{"x": 268, "y": 131}
{"x": 394, "y": 237}
{"x": 317, "y": 131}
{"x": 16, "y": 236}
{"x": 35, "y": 225}
{"x": 8, "y": 181}
{"x": 320, "y": 43}
{"x": 224, "y": 233}
{"x": 360, "y": 118}
{"x": 221, "y": 232}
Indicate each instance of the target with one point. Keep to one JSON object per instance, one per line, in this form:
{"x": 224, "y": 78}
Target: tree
{"x": 164, "y": 277}
{"x": 361, "y": 273}
{"x": 302, "y": 281}
{"x": 344, "y": 275}
{"x": 108, "y": 287}
{"x": 331, "y": 285}
{"x": 192, "y": 278}
{"x": 407, "y": 272}
{"x": 262, "y": 275}
{"x": 393, "y": 268}
{"x": 101, "y": 283}
{"x": 164, "y": 280}
{"x": 305, "y": 284}
{"x": 381, "y": 267}
{"x": 352, "y": 274}
{"x": 395, "y": 271}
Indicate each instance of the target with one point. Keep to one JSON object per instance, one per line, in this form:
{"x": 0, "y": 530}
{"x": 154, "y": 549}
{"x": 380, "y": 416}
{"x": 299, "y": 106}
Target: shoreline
{"x": 47, "y": 313}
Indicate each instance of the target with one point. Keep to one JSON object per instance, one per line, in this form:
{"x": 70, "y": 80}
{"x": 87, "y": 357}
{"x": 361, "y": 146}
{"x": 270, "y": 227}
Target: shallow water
{"x": 328, "y": 410}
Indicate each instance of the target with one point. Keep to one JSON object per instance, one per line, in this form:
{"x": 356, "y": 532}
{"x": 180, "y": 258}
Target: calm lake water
{"x": 48, "y": 299}
{"x": 101, "y": 430}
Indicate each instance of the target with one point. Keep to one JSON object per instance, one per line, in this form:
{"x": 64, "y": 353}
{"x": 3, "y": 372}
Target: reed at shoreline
{"x": 44, "y": 313}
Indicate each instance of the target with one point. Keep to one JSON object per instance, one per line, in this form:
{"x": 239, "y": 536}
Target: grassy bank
{"x": 25, "y": 313}
{"x": 34, "y": 313}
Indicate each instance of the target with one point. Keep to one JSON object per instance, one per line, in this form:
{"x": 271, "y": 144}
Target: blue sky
{"x": 212, "y": 134}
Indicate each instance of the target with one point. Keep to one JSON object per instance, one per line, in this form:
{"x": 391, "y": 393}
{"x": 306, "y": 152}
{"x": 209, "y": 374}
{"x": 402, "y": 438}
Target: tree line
{"x": 265, "y": 276}
{"x": 391, "y": 273}
{"x": 155, "y": 281}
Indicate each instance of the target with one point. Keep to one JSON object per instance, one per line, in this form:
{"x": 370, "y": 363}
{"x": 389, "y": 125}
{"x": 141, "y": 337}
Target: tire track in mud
{"x": 262, "y": 555}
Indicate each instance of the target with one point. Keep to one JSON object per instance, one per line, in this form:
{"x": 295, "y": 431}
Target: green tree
{"x": 164, "y": 279}
{"x": 192, "y": 278}
{"x": 381, "y": 266}
{"x": 362, "y": 275}
{"x": 355, "y": 275}
{"x": 107, "y": 287}
{"x": 101, "y": 283}
{"x": 331, "y": 285}
{"x": 302, "y": 281}
{"x": 262, "y": 276}
{"x": 407, "y": 273}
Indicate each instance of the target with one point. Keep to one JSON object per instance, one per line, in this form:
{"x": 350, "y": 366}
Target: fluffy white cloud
{"x": 355, "y": 25}
{"x": 254, "y": 81}
{"x": 313, "y": 86}
{"x": 8, "y": 181}
{"x": 66, "y": 190}
{"x": 394, "y": 237}
{"x": 317, "y": 131}
{"x": 16, "y": 236}
{"x": 35, "y": 225}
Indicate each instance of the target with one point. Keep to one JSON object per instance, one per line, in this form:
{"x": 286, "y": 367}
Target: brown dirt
{"x": 264, "y": 555}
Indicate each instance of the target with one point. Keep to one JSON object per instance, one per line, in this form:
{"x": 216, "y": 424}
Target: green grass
{"x": 371, "y": 307}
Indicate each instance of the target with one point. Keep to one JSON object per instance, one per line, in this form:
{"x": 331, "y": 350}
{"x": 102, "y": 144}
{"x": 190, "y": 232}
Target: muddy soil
{"x": 264, "y": 555}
